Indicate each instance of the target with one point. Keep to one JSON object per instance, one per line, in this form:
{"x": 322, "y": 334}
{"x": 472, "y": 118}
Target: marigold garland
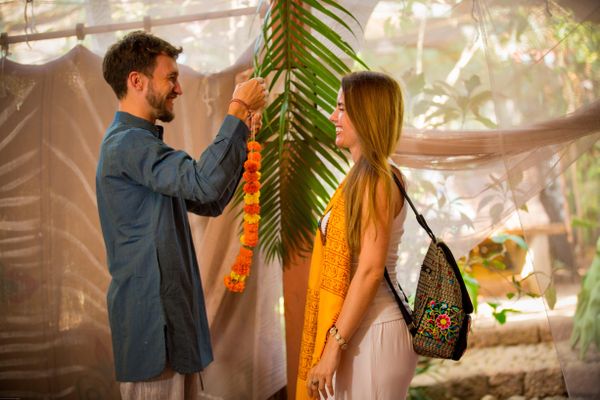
{"x": 236, "y": 280}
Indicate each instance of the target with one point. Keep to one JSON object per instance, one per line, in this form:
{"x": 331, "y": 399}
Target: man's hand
{"x": 252, "y": 92}
{"x": 248, "y": 98}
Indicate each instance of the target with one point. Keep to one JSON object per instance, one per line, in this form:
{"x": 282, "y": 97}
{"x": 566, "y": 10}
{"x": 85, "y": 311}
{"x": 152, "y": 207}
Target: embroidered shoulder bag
{"x": 441, "y": 318}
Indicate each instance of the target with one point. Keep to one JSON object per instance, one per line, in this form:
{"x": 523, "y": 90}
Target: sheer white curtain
{"x": 467, "y": 174}
{"x": 467, "y": 180}
{"x": 54, "y": 334}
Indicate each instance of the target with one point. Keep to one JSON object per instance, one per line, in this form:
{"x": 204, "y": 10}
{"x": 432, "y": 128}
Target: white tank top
{"x": 384, "y": 307}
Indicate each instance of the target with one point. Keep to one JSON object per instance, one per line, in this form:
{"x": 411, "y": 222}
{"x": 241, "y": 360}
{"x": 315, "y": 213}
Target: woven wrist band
{"x": 243, "y": 103}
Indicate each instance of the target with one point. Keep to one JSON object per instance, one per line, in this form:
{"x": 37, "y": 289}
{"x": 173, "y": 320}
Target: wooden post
{"x": 295, "y": 283}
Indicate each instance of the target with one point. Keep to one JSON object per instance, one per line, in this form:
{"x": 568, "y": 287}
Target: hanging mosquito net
{"x": 502, "y": 121}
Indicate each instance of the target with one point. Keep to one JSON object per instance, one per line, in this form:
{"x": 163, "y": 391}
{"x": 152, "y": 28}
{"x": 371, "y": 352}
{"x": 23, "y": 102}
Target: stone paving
{"x": 516, "y": 361}
{"x": 531, "y": 370}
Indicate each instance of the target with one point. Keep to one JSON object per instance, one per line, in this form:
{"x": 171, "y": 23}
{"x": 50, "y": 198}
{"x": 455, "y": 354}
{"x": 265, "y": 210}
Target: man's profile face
{"x": 163, "y": 88}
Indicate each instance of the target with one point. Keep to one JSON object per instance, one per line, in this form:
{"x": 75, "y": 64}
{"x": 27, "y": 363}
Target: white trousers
{"x": 169, "y": 385}
{"x": 378, "y": 364}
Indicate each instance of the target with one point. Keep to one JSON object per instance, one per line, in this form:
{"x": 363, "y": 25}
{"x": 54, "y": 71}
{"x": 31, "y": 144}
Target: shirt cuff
{"x": 236, "y": 126}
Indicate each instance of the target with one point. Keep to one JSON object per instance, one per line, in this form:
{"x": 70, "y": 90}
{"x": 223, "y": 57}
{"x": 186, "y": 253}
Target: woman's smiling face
{"x": 345, "y": 134}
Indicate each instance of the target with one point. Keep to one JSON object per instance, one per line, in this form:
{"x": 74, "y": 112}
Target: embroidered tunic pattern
{"x": 328, "y": 282}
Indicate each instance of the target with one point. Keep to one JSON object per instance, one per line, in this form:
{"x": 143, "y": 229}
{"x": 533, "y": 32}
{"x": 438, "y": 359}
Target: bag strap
{"x": 403, "y": 308}
{"x": 403, "y": 305}
{"x": 420, "y": 218}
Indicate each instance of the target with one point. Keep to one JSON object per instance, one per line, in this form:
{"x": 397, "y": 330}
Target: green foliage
{"x": 502, "y": 193}
{"x": 550, "y": 295}
{"x": 445, "y": 103}
{"x": 583, "y": 223}
{"x": 538, "y": 65}
{"x": 500, "y": 313}
{"x": 417, "y": 393}
{"x": 300, "y": 159}
{"x": 472, "y": 286}
{"x": 491, "y": 258}
{"x": 585, "y": 182}
{"x": 503, "y": 237}
{"x": 424, "y": 365}
{"x": 586, "y": 326}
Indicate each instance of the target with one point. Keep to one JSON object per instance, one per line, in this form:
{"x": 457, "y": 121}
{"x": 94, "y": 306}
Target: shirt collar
{"x": 129, "y": 119}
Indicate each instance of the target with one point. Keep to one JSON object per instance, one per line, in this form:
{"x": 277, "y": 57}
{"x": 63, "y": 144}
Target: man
{"x": 144, "y": 189}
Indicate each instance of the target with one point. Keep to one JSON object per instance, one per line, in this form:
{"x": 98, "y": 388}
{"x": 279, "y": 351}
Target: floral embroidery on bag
{"x": 440, "y": 322}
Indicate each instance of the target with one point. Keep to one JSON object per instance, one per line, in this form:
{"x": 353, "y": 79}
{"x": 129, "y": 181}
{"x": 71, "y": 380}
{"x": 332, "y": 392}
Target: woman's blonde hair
{"x": 373, "y": 102}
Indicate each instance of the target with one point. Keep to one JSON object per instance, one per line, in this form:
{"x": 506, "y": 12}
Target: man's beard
{"x": 161, "y": 112}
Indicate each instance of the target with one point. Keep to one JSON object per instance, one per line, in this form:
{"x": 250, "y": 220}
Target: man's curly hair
{"x": 137, "y": 51}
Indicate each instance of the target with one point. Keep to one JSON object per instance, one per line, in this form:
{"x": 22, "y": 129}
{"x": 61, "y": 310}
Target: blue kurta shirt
{"x": 144, "y": 189}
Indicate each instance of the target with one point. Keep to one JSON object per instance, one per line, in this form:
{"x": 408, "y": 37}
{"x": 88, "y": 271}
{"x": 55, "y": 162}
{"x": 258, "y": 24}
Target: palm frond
{"x": 300, "y": 159}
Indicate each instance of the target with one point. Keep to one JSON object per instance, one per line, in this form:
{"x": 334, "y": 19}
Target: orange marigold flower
{"x": 243, "y": 261}
{"x": 250, "y": 239}
{"x": 239, "y": 287}
{"x": 251, "y": 176}
{"x": 252, "y": 208}
{"x": 234, "y": 285}
{"x": 241, "y": 268}
{"x": 251, "y": 165}
{"x": 251, "y": 187}
{"x": 250, "y": 227}
{"x": 235, "y": 281}
{"x": 254, "y": 146}
{"x": 246, "y": 253}
{"x": 254, "y": 157}
{"x": 251, "y": 233}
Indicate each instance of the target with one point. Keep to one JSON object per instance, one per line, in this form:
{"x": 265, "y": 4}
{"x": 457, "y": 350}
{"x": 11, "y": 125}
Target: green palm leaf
{"x": 300, "y": 159}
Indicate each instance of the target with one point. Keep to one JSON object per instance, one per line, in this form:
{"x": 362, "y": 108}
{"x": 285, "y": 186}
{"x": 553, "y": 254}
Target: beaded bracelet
{"x": 333, "y": 331}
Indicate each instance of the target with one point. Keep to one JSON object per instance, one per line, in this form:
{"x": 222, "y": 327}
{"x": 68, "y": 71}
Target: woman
{"x": 353, "y": 328}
